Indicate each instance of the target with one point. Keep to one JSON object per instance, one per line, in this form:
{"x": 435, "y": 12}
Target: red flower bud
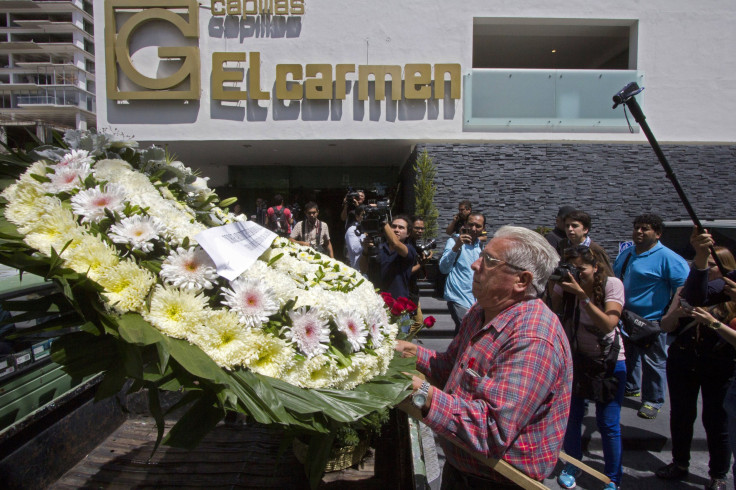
{"x": 429, "y": 322}
{"x": 397, "y": 309}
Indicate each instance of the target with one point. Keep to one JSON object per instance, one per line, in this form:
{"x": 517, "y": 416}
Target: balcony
{"x": 513, "y": 100}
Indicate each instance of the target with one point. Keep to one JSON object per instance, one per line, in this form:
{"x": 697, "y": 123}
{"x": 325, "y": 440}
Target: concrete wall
{"x": 525, "y": 184}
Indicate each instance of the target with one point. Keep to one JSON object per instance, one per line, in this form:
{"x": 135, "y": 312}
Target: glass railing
{"x": 546, "y": 100}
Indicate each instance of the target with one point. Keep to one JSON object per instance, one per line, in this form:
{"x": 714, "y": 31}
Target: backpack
{"x": 278, "y": 221}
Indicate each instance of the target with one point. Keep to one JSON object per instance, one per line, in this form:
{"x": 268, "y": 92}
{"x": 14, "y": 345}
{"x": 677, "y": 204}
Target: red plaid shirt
{"x": 516, "y": 407}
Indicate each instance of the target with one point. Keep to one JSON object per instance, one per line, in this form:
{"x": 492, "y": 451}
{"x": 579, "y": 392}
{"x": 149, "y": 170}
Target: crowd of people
{"x": 547, "y": 327}
{"x": 586, "y": 303}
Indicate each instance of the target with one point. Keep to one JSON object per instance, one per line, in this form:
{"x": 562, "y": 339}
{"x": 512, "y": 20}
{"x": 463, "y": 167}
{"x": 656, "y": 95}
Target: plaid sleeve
{"x": 487, "y": 413}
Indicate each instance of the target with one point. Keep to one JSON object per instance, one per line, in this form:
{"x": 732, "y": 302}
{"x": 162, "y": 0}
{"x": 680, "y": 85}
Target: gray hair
{"x": 531, "y": 252}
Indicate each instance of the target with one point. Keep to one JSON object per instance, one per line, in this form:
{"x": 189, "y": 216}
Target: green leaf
{"x": 135, "y": 330}
{"x": 154, "y": 405}
{"x": 342, "y": 359}
{"x": 274, "y": 259}
{"x": 193, "y": 359}
{"x": 319, "y": 453}
{"x": 227, "y": 202}
{"x": 195, "y": 423}
{"x": 82, "y": 354}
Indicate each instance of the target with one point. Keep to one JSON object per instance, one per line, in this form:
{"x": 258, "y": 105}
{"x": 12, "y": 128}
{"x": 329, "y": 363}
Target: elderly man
{"x": 502, "y": 389}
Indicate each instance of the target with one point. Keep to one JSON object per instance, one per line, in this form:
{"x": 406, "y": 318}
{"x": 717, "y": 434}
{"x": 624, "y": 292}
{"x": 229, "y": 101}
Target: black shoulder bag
{"x": 593, "y": 378}
{"x": 638, "y": 329}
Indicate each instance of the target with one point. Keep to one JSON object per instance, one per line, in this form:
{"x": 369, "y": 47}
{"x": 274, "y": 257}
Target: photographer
{"x": 396, "y": 257}
{"x": 354, "y": 238}
{"x": 350, "y": 202}
{"x": 312, "y": 232}
{"x": 590, "y": 302}
{"x": 459, "y": 254}
{"x": 699, "y": 360}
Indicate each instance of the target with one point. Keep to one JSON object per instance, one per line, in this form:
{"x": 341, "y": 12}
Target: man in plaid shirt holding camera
{"x": 502, "y": 389}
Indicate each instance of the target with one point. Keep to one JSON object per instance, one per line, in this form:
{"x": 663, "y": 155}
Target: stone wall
{"x": 525, "y": 184}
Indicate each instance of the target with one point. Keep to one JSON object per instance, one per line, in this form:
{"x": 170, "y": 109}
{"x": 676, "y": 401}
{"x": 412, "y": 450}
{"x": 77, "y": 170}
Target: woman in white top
{"x": 592, "y": 306}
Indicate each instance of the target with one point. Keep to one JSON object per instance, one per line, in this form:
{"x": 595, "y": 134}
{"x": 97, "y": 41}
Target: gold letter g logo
{"x": 117, "y": 49}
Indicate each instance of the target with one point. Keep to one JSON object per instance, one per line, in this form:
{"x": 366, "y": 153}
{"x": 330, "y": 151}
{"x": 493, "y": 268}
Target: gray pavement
{"x": 646, "y": 442}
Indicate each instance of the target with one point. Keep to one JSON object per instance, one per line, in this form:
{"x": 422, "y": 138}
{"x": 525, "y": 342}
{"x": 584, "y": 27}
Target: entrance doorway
{"x": 324, "y": 185}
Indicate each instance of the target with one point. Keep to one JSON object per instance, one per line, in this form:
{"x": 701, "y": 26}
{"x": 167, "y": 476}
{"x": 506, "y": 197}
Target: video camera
{"x": 351, "y": 198}
{"x": 561, "y": 271}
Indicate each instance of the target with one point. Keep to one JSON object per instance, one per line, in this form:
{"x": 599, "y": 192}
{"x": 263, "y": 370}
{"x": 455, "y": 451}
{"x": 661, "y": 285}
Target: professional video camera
{"x": 352, "y": 198}
{"x": 376, "y": 214}
{"x": 561, "y": 271}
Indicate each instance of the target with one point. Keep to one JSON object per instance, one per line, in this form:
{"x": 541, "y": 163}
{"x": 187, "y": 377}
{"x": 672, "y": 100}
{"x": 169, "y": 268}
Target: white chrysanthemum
{"x": 189, "y": 269}
{"x": 92, "y": 203}
{"x": 252, "y": 300}
{"x": 67, "y": 178}
{"x": 29, "y": 205}
{"x": 176, "y": 312}
{"x": 76, "y": 157}
{"x": 309, "y": 331}
{"x": 267, "y": 354}
{"x": 109, "y": 170}
{"x": 362, "y": 368}
{"x": 353, "y": 326}
{"x": 315, "y": 372}
{"x": 284, "y": 287}
{"x": 126, "y": 285}
{"x": 137, "y": 231}
{"x": 54, "y": 228}
{"x": 222, "y": 337}
{"x": 90, "y": 255}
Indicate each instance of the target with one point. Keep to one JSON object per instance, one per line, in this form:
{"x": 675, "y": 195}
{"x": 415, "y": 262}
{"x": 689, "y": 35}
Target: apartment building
{"x": 47, "y": 67}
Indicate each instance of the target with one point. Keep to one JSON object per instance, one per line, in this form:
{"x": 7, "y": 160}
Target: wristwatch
{"x": 419, "y": 398}
{"x": 715, "y": 325}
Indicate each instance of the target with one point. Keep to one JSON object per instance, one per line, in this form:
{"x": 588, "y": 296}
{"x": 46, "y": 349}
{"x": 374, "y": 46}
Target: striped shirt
{"x": 506, "y": 390}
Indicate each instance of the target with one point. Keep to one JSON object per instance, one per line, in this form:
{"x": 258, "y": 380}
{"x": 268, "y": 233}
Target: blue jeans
{"x": 457, "y": 312}
{"x": 608, "y": 417}
{"x": 729, "y": 404}
{"x": 651, "y": 376}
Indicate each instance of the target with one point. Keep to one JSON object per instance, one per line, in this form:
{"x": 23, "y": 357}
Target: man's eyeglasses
{"x": 491, "y": 262}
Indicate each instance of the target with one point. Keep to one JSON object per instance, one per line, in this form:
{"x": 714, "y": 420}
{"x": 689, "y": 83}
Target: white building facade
{"x": 280, "y": 95}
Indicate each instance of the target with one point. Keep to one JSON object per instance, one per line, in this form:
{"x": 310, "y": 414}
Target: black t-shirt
{"x": 396, "y": 270}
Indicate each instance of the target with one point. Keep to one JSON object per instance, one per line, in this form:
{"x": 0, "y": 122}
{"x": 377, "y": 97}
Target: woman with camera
{"x": 589, "y": 301}
{"x": 699, "y": 361}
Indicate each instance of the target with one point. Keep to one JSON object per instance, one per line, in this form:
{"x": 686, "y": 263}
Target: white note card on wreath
{"x": 235, "y": 247}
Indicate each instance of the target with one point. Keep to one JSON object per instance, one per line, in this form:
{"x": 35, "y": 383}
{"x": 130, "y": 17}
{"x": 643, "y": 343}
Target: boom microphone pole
{"x": 626, "y": 96}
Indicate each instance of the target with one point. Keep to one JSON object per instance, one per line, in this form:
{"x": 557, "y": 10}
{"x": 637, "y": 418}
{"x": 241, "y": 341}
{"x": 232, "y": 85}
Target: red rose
{"x": 410, "y": 306}
{"x": 388, "y": 299}
{"x": 397, "y": 309}
{"x": 429, "y": 322}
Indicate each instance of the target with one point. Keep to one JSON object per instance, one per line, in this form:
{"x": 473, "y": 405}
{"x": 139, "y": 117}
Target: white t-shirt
{"x": 589, "y": 343}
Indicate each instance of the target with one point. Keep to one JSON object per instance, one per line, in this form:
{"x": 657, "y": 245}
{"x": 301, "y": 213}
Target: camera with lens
{"x": 561, "y": 271}
{"x": 423, "y": 249}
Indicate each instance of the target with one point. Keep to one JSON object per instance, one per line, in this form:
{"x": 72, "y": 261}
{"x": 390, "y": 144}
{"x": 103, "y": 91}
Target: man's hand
{"x": 701, "y": 242}
{"x": 463, "y": 238}
{"x": 406, "y": 349}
